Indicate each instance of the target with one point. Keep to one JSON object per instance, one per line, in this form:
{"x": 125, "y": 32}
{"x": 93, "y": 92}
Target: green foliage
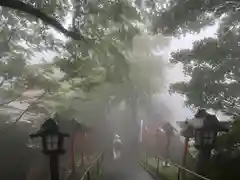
{"x": 111, "y": 30}
{"x": 18, "y": 42}
{"x": 212, "y": 62}
{"x": 109, "y": 27}
{"x": 227, "y": 154}
{"x": 85, "y": 78}
{"x": 231, "y": 139}
{"x": 176, "y": 16}
{"x": 212, "y": 65}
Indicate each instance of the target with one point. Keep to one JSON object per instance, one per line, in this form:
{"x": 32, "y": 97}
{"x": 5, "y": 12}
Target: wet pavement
{"x": 125, "y": 168}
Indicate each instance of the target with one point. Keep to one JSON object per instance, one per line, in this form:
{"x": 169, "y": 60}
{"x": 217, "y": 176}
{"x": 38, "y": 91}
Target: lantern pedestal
{"x": 187, "y": 133}
{"x": 204, "y": 156}
{"x": 54, "y": 166}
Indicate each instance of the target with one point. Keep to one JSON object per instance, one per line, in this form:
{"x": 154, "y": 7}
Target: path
{"x": 125, "y": 168}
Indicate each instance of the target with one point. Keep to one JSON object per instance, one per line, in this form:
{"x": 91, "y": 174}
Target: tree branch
{"x": 27, "y": 8}
{"x": 21, "y": 115}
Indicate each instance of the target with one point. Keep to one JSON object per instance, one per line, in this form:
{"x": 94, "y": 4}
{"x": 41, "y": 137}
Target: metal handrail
{"x": 181, "y": 167}
{"x": 87, "y": 171}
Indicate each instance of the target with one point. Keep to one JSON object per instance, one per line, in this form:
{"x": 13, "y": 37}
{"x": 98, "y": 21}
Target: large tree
{"x": 100, "y": 35}
{"x": 108, "y": 28}
{"x": 212, "y": 64}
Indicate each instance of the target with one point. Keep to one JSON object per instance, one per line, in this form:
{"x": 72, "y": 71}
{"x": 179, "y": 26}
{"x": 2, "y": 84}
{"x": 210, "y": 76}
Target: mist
{"x": 96, "y": 76}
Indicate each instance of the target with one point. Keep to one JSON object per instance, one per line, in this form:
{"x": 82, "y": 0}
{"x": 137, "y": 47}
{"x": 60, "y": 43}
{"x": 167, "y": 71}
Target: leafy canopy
{"x": 212, "y": 63}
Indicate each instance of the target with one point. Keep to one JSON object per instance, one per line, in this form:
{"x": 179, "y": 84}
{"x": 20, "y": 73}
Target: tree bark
{"x": 27, "y": 8}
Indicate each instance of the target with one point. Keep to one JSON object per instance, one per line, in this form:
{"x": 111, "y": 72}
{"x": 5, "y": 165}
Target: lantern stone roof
{"x": 223, "y": 124}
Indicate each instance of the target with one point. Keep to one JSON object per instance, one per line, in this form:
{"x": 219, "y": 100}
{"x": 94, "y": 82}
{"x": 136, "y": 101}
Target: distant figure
{"x": 117, "y": 144}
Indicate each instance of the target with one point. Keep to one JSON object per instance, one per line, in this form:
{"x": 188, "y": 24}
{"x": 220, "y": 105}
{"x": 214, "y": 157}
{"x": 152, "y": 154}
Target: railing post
{"x": 88, "y": 175}
{"x": 180, "y": 168}
{"x": 82, "y": 158}
{"x": 146, "y": 161}
{"x": 179, "y": 174}
{"x": 97, "y": 167}
{"x": 157, "y": 165}
{"x": 103, "y": 154}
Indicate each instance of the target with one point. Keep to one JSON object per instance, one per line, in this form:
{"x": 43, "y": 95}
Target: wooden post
{"x": 184, "y": 160}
